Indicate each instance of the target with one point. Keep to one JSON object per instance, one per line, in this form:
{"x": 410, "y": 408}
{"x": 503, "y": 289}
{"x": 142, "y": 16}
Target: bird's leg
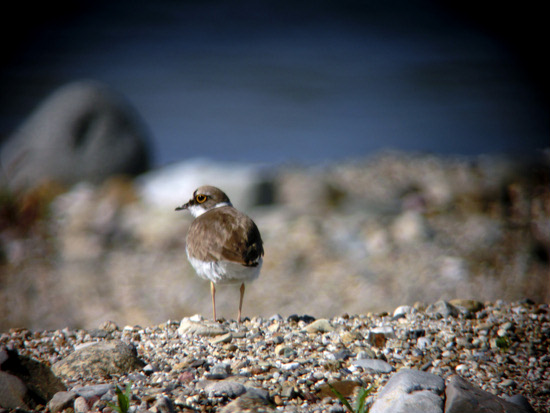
{"x": 213, "y": 293}
{"x": 241, "y": 302}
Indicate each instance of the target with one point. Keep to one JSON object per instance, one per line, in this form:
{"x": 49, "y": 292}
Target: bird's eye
{"x": 200, "y": 198}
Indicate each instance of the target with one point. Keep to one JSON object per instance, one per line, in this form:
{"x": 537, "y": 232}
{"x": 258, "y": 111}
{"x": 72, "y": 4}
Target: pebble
{"x": 61, "y": 400}
{"x": 373, "y": 365}
{"x": 291, "y": 367}
{"x": 200, "y": 328}
{"x": 320, "y": 326}
{"x": 81, "y": 405}
{"x": 226, "y": 387}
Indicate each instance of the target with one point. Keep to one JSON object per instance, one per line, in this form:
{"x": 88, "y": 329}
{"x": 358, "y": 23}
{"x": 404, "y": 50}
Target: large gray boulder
{"x": 411, "y": 391}
{"x": 83, "y": 132}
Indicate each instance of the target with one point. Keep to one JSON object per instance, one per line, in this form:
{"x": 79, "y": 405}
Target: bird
{"x": 223, "y": 245}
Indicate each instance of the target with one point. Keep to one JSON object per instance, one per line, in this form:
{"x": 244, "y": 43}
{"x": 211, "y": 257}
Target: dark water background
{"x": 294, "y": 81}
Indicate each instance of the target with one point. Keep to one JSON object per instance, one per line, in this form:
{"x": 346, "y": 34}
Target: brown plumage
{"x": 226, "y": 234}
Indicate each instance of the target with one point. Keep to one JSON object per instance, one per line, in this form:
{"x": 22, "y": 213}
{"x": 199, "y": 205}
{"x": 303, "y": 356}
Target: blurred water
{"x": 243, "y": 82}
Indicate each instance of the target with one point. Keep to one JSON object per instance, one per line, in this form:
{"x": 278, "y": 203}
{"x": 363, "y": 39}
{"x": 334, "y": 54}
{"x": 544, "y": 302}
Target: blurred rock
{"x": 26, "y": 382}
{"x": 251, "y": 401}
{"x": 101, "y": 359}
{"x": 61, "y": 400}
{"x": 83, "y": 132}
{"x": 13, "y": 392}
{"x": 462, "y": 396}
{"x": 410, "y": 391}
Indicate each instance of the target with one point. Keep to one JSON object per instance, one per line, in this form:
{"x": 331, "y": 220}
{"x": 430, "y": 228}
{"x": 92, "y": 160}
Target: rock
{"x": 443, "y": 308}
{"x": 61, "y": 401}
{"x": 219, "y": 371}
{"x": 83, "y": 132}
{"x": 13, "y": 392}
{"x": 378, "y": 336}
{"x": 222, "y": 339}
{"x": 423, "y": 343}
{"x": 252, "y": 402}
{"x": 373, "y": 365}
{"x": 101, "y": 359}
{"x": 290, "y": 366}
{"x": 403, "y": 310}
{"x": 520, "y": 401}
{"x": 163, "y": 405}
{"x": 201, "y": 328}
{"x": 349, "y": 337}
{"x": 410, "y": 391}
{"x": 461, "y": 396}
{"x": 38, "y": 378}
{"x": 344, "y": 387}
{"x": 81, "y": 405}
{"x": 284, "y": 351}
{"x": 319, "y": 326}
{"x": 225, "y": 387}
{"x": 471, "y": 306}
{"x": 95, "y": 390}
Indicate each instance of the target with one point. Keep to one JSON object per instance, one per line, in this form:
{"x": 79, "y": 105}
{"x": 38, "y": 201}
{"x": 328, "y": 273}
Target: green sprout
{"x": 503, "y": 343}
{"x": 360, "y": 406}
{"x": 123, "y": 399}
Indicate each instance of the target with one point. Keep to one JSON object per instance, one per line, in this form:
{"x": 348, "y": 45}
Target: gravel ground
{"x": 197, "y": 365}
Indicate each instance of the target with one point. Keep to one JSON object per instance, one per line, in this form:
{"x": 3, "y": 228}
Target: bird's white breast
{"x": 223, "y": 272}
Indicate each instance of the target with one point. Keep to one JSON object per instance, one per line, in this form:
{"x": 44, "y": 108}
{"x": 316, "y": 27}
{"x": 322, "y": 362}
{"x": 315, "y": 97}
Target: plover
{"x": 223, "y": 244}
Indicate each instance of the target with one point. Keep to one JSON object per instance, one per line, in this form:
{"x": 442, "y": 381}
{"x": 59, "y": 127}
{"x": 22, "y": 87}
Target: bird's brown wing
{"x": 226, "y": 235}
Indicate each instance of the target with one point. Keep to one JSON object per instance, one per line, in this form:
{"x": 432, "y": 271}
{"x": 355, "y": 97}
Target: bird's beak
{"x": 181, "y": 208}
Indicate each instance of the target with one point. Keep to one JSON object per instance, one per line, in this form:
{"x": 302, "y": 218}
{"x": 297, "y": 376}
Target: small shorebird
{"x": 223, "y": 244}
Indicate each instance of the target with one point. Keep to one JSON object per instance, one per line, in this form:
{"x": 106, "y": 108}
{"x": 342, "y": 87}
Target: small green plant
{"x": 123, "y": 399}
{"x": 503, "y": 343}
{"x": 360, "y": 406}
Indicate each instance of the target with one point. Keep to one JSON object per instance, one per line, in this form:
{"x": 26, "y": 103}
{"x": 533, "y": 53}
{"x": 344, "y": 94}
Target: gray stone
{"x": 443, "y": 308}
{"x": 373, "y": 365}
{"x": 222, "y": 339}
{"x": 320, "y": 326}
{"x": 95, "y": 390}
{"x": 226, "y": 387}
{"x": 411, "y": 391}
{"x": 249, "y": 402}
{"x": 61, "y": 401}
{"x": 403, "y": 310}
{"x": 163, "y": 405}
{"x": 81, "y": 405}
{"x": 13, "y": 392}
{"x": 462, "y": 396}
{"x": 520, "y": 401}
{"x": 200, "y": 328}
{"x": 219, "y": 371}
{"x": 83, "y": 132}
{"x": 471, "y": 306}
{"x": 101, "y": 359}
